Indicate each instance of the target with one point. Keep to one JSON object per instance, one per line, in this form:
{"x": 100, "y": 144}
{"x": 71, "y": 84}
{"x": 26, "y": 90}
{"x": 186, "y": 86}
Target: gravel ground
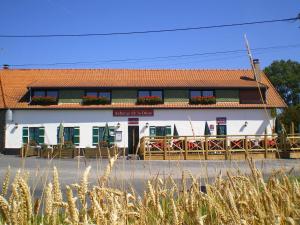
{"x": 133, "y": 172}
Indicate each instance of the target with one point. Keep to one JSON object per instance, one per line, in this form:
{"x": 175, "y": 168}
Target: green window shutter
{"x": 111, "y": 138}
{"x": 76, "y": 135}
{"x": 168, "y": 130}
{"x": 152, "y": 131}
{"x": 41, "y": 135}
{"x": 95, "y": 136}
{"x": 25, "y": 134}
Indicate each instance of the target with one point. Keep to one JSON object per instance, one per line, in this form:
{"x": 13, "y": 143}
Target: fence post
{"x": 266, "y": 146}
{"x": 185, "y": 148}
{"x": 206, "y": 147}
{"x": 164, "y": 148}
{"x": 246, "y": 147}
{"x": 226, "y": 147}
{"x": 142, "y": 147}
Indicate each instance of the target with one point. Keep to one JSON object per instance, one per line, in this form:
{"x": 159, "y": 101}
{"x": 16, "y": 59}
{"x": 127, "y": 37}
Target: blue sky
{"x": 92, "y": 16}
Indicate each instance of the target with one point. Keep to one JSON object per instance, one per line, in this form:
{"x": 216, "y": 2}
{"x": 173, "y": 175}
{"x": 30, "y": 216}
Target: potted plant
{"x": 29, "y": 149}
{"x": 149, "y": 100}
{"x": 103, "y": 144}
{"x": 203, "y": 100}
{"x": 92, "y": 100}
{"x": 43, "y": 100}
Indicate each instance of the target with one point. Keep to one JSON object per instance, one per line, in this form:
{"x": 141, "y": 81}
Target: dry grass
{"x": 233, "y": 199}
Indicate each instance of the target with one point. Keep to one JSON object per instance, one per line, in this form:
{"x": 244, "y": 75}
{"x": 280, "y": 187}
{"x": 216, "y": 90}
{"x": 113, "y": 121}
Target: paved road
{"x": 132, "y": 172}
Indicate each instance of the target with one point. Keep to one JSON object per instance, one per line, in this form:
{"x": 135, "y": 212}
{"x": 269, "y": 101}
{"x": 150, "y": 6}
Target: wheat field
{"x": 230, "y": 199}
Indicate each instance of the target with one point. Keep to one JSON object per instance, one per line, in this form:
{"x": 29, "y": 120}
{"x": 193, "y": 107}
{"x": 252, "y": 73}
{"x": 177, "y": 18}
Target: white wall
{"x": 86, "y": 119}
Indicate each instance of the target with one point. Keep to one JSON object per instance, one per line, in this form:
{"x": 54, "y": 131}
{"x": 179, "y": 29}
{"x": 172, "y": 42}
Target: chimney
{"x": 5, "y": 66}
{"x": 257, "y": 69}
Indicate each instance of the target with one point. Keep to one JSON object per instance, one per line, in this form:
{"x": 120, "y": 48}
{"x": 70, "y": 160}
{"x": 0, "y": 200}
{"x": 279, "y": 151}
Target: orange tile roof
{"x": 15, "y": 84}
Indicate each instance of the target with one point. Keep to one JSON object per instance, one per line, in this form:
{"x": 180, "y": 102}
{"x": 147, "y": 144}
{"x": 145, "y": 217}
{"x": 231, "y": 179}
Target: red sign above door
{"x": 221, "y": 120}
{"x": 133, "y": 112}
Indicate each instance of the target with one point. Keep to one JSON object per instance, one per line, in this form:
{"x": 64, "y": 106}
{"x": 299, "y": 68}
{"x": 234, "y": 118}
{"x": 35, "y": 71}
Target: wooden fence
{"x": 219, "y": 147}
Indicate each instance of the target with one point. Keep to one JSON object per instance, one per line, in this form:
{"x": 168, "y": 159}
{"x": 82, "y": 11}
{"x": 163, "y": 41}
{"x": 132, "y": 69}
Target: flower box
{"x": 43, "y": 100}
{"x": 203, "y": 100}
{"x": 91, "y": 100}
{"x": 149, "y": 100}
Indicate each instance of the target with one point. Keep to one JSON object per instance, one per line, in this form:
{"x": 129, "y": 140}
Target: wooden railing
{"x": 219, "y": 147}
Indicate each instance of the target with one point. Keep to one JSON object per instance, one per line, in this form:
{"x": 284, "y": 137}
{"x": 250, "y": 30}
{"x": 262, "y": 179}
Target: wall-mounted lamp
{"x": 147, "y": 125}
{"x": 118, "y": 125}
{"x": 246, "y": 123}
{"x": 16, "y": 125}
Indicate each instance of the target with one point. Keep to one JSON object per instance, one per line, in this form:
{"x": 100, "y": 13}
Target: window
{"x": 207, "y": 93}
{"x": 195, "y": 93}
{"x": 203, "y": 93}
{"x": 99, "y": 135}
{"x": 71, "y": 134}
{"x": 45, "y": 93}
{"x": 106, "y": 94}
{"x": 33, "y": 135}
{"x": 160, "y": 131}
{"x": 145, "y": 93}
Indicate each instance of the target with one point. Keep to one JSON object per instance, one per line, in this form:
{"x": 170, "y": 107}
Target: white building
{"x": 133, "y": 103}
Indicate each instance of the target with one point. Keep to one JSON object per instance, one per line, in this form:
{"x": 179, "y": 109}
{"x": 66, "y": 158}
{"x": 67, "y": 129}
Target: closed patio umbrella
{"x": 106, "y": 133}
{"x": 61, "y": 134}
{"x": 175, "y": 132}
{"x": 206, "y": 130}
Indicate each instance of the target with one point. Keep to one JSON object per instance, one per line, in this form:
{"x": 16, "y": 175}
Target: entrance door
{"x": 133, "y": 139}
{"x": 221, "y": 130}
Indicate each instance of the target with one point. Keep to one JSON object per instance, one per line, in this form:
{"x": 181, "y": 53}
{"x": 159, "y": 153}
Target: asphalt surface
{"x": 133, "y": 173}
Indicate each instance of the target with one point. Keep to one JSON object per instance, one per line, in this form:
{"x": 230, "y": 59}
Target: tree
{"x": 285, "y": 76}
{"x": 289, "y": 115}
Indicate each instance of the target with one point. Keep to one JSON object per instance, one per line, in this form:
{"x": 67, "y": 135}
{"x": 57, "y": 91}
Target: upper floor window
{"x": 105, "y": 94}
{"x": 202, "y": 93}
{"x": 146, "y": 93}
{"x": 45, "y": 93}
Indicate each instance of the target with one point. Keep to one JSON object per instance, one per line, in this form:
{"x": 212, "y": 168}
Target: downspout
{"x": 4, "y": 119}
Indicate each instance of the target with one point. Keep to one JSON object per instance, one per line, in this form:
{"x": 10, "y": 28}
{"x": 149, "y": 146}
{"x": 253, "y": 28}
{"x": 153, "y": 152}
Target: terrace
{"x": 219, "y": 147}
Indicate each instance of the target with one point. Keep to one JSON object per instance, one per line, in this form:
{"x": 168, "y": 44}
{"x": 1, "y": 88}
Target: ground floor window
{"x": 71, "y": 135}
{"x": 102, "y": 137}
{"x": 33, "y": 135}
{"x": 160, "y": 130}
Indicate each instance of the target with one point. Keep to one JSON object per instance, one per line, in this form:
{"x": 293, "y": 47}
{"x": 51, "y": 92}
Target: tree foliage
{"x": 289, "y": 115}
{"x": 285, "y": 76}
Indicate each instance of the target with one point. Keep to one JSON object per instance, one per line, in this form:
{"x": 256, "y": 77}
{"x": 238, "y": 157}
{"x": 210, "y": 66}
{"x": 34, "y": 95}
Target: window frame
{"x": 45, "y": 91}
{"x": 99, "y": 91}
{"x": 74, "y": 136}
{"x": 165, "y": 128}
{"x": 150, "y": 93}
{"x": 201, "y": 92}
{"x": 39, "y": 134}
{"x": 110, "y": 128}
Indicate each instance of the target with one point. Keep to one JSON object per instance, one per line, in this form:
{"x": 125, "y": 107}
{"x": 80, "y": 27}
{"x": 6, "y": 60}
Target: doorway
{"x": 221, "y": 130}
{"x": 133, "y": 139}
